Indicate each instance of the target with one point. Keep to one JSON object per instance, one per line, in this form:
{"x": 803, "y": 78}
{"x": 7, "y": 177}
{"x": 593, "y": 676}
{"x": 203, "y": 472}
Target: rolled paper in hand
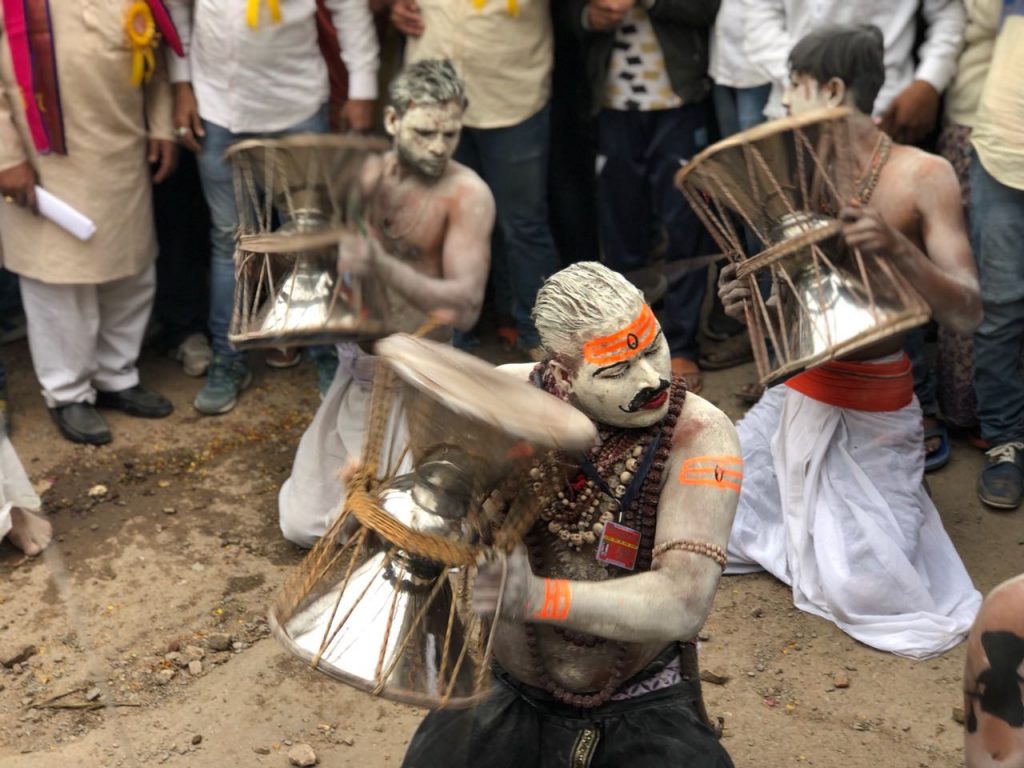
{"x": 64, "y": 216}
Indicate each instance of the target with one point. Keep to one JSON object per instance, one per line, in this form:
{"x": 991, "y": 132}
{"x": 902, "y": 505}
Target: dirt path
{"x": 177, "y": 556}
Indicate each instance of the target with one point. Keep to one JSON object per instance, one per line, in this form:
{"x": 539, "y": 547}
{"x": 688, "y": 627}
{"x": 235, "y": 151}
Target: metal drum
{"x": 381, "y": 602}
{"x": 296, "y": 197}
{"x": 783, "y": 183}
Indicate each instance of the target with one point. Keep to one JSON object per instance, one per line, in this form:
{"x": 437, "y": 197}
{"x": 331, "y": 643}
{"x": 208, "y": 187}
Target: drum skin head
{"x": 475, "y": 389}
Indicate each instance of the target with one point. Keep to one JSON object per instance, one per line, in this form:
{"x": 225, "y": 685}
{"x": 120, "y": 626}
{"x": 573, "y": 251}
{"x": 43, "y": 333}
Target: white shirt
{"x": 274, "y": 76}
{"x": 773, "y": 27}
{"x": 728, "y": 63}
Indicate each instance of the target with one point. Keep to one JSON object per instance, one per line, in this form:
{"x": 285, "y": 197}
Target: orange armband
{"x": 557, "y": 600}
{"x": 723, "y": 472}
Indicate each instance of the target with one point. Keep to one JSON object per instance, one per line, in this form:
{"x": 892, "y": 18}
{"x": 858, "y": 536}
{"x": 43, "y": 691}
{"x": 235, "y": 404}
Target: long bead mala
{"x": 641, "y": 515}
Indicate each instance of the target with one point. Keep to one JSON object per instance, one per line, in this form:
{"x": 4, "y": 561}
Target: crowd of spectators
{"x": 579, "y": 115}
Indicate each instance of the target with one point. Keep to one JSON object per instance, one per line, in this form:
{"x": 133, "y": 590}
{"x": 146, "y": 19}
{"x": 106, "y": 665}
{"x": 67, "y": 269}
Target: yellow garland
{"x": 512, "y": 6}
{"x": 252, "y": 12}
{"x": 140, "y": 28}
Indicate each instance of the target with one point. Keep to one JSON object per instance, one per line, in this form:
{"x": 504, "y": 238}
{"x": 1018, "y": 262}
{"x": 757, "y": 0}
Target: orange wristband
{"x": 557, "y": 600}
{"x": 723, "y": 472}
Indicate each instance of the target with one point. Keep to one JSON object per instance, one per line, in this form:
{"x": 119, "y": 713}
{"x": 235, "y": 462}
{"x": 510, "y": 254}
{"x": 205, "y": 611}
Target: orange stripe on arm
{"x": 557, "y": 601}
{"x": 721, "y": 472}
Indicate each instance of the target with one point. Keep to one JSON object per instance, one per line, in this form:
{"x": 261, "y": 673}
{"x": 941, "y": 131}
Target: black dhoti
{"x": 518, "y": 726}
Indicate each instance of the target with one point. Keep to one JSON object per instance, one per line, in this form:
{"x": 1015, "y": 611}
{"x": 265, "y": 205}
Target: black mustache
{"x": 645, "y": 396}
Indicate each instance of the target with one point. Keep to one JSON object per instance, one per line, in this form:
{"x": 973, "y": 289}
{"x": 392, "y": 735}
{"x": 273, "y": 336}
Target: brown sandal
{"x": 688, "y": 371}
{"x": 750, "y": 393}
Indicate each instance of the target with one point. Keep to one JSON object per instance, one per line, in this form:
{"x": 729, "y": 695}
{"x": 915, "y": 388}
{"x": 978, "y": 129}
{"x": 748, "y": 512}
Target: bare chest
{"x": 411, "y": 223}
{"x": 897, "y": 202}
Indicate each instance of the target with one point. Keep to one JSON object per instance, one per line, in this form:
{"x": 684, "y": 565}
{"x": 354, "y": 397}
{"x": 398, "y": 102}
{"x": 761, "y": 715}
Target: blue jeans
{"x": 640, "y": 154}
{"x": 514, "y": 163}
{"x": 183, "y": 234}
{"x": 218, "y": 188}
{"x": 738, "y": 109}
{"x": 926, "y": 386}
{"x": 997, "y": 235}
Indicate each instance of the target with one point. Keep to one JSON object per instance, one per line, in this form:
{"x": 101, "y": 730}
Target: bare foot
{"x": 931, "y": 444}
{"x": 29, "y": 532}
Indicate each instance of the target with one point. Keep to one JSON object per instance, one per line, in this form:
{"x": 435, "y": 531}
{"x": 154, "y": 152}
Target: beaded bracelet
{"x": 713, "y": 551}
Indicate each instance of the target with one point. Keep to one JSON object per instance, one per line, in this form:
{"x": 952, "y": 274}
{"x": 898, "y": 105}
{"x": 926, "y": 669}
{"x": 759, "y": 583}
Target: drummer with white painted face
{"x": 427, "y": 248}
{"x": 595, "y": 629}
{"x": 835, "y": 455}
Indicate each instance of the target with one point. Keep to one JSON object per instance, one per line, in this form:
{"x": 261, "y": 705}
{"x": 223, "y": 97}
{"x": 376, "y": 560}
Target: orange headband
{"x": 623, "y": 344}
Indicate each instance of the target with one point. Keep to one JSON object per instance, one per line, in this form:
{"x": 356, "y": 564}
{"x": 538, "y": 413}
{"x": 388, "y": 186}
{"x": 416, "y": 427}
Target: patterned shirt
{"x": 637, "y": 78}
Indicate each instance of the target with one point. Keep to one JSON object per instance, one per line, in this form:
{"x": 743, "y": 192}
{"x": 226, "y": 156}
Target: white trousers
{"x": 833, "y": 505}
{"x": 15, "y": 489}
{"x": 85, "y": 338}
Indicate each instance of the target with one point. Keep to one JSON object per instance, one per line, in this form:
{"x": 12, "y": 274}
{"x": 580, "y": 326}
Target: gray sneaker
{"x": 194, "y": 354}
{"x": 224, "y": 380}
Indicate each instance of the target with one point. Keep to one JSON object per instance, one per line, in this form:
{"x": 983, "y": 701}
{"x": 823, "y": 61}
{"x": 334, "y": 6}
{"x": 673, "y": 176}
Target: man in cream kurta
{"x": 87, "y": 303}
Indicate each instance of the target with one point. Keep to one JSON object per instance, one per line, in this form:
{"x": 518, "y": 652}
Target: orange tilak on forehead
{"x": 623, "y": 344}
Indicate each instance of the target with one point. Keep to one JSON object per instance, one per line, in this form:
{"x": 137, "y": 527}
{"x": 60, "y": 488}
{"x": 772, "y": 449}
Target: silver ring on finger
{"x": 181, "y": 131}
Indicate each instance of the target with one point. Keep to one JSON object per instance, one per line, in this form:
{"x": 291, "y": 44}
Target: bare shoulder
{"x": 373, "y": 170}
{"x": 925, "y": 168}
{"x": 467, "y": 183}
{"x": 704, "y": 427}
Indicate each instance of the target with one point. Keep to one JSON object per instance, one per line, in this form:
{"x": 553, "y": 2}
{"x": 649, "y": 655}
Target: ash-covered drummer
{"x": 596, "y": 628}
{"x": 430, "y": 221}
{"x": 834, "y": 503}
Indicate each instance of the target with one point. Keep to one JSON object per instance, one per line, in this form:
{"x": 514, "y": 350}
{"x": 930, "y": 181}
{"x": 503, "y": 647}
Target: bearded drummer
{"x": 428, "y": 250}
{"x": 834, "y": 504}
{"x": 594, "y": 643}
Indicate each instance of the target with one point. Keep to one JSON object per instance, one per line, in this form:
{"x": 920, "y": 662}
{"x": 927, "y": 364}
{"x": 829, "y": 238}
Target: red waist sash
{"x": 859, "y": 386}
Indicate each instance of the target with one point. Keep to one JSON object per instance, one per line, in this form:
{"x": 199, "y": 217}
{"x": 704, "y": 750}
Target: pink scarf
{"x": 35, "y": 66}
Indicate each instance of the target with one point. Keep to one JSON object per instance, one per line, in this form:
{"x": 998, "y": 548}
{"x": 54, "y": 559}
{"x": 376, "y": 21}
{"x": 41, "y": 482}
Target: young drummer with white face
{"x": 835, "y": 456}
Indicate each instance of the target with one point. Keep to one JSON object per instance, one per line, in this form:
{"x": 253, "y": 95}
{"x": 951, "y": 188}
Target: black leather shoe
{"x": 136, "y": 401}
{"x": 80, "y": 423}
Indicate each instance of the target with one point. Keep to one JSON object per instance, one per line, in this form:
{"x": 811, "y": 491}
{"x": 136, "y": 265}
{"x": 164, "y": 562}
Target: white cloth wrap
{"x": 15, "y": 489}
{"x": 311, "y": 497}
{"x": 833, "y": 505}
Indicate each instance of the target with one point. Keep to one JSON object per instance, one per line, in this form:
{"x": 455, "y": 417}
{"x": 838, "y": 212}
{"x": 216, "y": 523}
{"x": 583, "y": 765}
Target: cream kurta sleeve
{"x": 160, "y": 103}
{"x": 12, "y": 151}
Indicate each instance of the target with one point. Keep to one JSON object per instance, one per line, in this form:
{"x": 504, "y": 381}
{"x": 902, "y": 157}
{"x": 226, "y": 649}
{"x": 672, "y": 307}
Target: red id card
{"x": 619, "y": 546}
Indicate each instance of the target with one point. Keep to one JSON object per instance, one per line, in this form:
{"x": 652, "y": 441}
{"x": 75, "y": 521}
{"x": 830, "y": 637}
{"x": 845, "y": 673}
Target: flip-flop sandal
{"x": 727, "y": 354}
{"x": 750, "y": 393}
{"x": 938, "y": 458}
{"x": 694, "y": 381}
{"x": 508, "y": 337}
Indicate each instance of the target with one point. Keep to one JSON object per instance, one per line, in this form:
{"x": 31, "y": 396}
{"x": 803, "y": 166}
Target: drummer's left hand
{"x": 520, "y": 586}
{"x": 864, "y": 228}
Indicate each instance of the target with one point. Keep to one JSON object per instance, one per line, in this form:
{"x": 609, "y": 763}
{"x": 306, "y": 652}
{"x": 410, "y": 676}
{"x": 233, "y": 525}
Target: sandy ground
{"x": 181, "y": 547}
